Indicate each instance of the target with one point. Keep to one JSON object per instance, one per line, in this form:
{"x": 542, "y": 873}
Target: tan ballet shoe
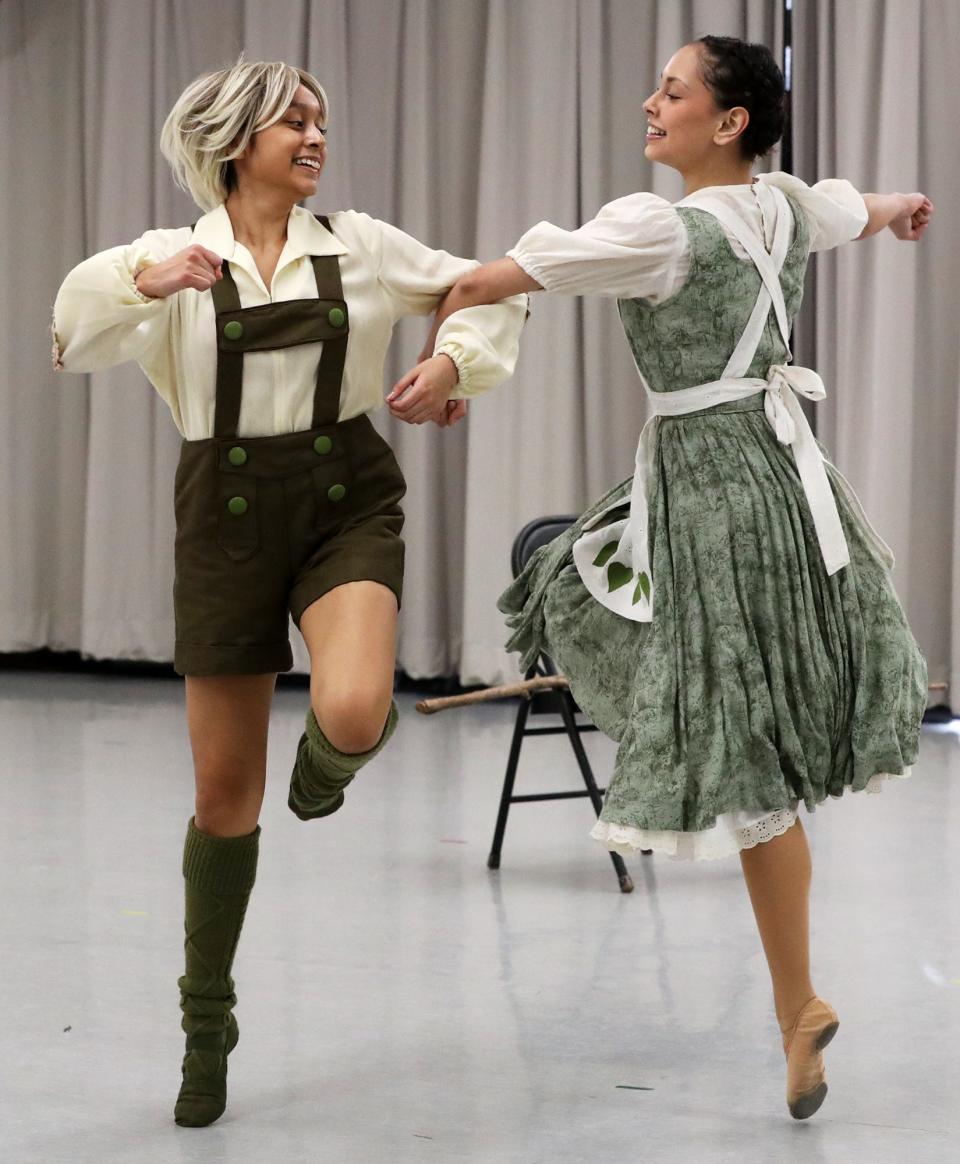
{"x": 803, "y": 1043}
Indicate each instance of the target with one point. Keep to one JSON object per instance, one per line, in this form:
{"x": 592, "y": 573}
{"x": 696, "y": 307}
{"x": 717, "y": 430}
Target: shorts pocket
{"x": 378, "y": 484}
{"x": 238, "y": 518}
{"x": 334, "y": 492}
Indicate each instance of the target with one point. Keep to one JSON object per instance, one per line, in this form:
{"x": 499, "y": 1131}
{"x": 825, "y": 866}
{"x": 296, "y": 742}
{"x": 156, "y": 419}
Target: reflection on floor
{"x": 398, "y": 1002}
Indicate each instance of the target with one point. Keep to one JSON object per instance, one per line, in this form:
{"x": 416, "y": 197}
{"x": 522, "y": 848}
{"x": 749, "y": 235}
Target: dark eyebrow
{"x": 305, "y": 108}
{"x": 667, "y": 81}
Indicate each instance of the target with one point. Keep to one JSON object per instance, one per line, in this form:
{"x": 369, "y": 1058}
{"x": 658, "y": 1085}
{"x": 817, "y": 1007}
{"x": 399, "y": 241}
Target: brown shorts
{"x": 267, "y": 525}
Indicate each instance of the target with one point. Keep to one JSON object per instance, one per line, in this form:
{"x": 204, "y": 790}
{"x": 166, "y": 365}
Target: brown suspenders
{"x": 281, "y": 325}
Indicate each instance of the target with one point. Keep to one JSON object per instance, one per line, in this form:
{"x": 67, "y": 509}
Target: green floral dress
{"x": 762, "y": 680}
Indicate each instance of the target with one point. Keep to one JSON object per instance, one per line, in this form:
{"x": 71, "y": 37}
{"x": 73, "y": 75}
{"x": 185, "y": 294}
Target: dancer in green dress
{"x": 727, "y": 613}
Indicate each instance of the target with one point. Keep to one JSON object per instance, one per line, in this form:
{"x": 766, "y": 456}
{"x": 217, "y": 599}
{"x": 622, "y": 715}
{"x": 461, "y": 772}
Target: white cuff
{"x": 529, "y": 264}
{"x": 140, "y": 260}
{"x": 456, "y": 353}
{"x": 57, "y": 361}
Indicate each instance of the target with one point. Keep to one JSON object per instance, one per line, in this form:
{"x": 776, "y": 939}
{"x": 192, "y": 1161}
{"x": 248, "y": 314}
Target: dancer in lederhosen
{"x": 265, "y": 330}
{"x": 726, "y": 614}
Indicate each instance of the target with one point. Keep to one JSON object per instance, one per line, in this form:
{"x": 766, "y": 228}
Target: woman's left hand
{"x": 423, "y": 393}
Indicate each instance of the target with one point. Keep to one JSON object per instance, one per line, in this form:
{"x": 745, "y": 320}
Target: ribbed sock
{"x": 219, "y": 873}
{"x": 321, "y": 771}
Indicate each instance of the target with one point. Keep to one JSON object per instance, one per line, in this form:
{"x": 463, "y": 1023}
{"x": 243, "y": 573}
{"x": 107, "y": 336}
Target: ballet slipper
{"x": 803, "y": 1042}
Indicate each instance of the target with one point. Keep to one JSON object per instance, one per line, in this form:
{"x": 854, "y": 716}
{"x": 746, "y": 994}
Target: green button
{"x": 337, "y": 492}
{"x": 322, "y": 445}
{"x": 233, "y": 329}
{"x": 237, "y": 456}
{"x": 237, "y": 506}
{"x": 336, "y": 317}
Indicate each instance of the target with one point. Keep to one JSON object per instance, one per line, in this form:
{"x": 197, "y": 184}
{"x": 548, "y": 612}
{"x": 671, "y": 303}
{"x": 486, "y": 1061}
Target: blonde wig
{"x": 215, "y": 117}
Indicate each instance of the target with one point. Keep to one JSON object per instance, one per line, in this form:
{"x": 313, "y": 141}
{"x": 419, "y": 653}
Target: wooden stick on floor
{"x": 526, "y": 688}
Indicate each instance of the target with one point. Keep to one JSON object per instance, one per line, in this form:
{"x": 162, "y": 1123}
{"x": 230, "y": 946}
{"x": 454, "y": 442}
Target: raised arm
{"x": 631, "y": 249}
{"x": 115, "y": 306}
{"x": 907, "y": 215}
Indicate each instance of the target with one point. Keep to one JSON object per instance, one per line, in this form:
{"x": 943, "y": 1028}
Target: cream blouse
{"x": 101, "y": 319}
{"x": 637, "y": 246}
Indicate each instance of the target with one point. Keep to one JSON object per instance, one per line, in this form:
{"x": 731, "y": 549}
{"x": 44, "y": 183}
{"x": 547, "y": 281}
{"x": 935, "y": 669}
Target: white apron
{"x": 614, "y": 561}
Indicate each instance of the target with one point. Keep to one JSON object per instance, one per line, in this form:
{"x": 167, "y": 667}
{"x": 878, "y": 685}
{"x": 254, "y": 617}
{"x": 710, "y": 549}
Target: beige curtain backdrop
{"x": 463, "y": 122}
{"x": 872, "y": 106}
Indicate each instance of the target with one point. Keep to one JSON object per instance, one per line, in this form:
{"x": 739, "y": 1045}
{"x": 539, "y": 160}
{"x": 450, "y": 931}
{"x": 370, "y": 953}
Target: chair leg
{"x": 570, "y": 723}
{"x": 493, "y": 861}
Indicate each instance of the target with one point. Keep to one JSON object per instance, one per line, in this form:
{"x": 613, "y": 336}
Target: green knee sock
{"x": 321, "y": 771}
{"x": 218, "y": 873}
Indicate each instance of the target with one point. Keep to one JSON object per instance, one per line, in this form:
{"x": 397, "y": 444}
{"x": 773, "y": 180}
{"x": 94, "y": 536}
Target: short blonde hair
{"x": 217, "y": 114}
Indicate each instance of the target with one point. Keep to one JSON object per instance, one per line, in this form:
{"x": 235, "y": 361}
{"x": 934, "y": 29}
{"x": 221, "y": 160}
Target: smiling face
{"x": 685, "y": 127}
{"x": 288, "y": 156}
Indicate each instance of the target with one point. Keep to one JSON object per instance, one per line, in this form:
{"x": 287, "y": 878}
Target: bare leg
{"x": 351, "y": 635}
{"x": 228, "y": 716}
{"x": 777, "y": 874}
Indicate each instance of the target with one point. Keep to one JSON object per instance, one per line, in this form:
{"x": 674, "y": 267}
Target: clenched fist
{"x": 194, "y": 267}
{"x": 910, "y": 225}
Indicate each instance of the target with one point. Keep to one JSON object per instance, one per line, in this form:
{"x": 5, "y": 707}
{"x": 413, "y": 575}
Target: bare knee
{"x": 228, "y": 800}
{"x": 352, "y": 721}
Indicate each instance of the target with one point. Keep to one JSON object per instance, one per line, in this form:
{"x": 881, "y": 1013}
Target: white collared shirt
{"x": 637, "y": 246}
{"x": 101, "y": 319}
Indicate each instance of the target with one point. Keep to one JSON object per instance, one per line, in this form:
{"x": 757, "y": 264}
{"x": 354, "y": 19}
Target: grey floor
{"x": 398, "y": 1002}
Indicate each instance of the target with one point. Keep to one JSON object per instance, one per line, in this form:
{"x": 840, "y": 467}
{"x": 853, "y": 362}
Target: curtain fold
{"x": 462, "y": 122}
{"x": 885, "y": 311}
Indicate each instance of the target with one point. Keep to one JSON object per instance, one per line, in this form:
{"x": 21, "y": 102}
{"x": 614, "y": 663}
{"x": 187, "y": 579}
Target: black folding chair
{"x": 557, "y": 701}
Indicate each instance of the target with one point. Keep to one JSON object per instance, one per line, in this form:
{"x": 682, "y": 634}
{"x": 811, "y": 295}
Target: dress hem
{"x": 724, "y": 839}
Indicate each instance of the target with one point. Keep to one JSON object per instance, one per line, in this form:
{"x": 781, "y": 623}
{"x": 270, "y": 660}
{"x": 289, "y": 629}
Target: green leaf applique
{"x": 643, "y": 588}
{"x": 606, "y": 554}
{"x": 618, "y": 575}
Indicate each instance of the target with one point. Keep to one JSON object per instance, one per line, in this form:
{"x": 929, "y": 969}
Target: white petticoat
{"x": 732, "y": 832}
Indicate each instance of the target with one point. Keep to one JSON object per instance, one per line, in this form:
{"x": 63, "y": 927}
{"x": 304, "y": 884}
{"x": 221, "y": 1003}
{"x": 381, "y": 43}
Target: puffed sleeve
{"x": 835, "y": 211}
{"x": 483, "y": 342}
{"x": 633, "y": 249}
{"x": 100, "y": 318}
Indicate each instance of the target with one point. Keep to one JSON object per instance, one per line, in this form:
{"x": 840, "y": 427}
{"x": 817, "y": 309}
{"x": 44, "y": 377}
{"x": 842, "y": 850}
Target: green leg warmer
{"x": 321, "y": 772}
{"x": 219, "y": 873}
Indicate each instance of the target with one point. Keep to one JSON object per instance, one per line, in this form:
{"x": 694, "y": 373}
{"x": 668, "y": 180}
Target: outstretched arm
{"x": 907, "y": 215}
{"x": 422, "y": 393}
{"x": 486, "y": 284}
